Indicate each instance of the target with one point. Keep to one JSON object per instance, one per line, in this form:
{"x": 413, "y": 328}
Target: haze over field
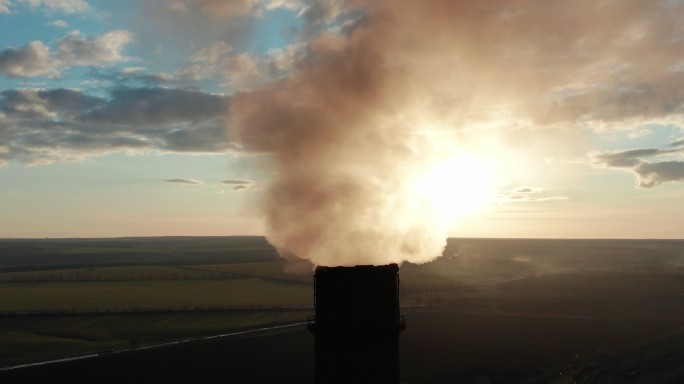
{"x": 347, "y": 131}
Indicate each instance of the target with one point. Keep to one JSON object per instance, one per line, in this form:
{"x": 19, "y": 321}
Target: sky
{"x": 330, "y": 124}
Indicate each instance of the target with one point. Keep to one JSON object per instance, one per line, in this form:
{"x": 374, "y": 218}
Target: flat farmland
{"x": 151, "y": 295}
{"x": 26, "y": 339}
{"x": 66, "y": 297}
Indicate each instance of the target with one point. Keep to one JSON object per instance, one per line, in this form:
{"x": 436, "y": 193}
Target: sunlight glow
{"x": 456, "y": 186}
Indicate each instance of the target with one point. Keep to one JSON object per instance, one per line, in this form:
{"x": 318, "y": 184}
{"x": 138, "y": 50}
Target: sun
{"x": 455, "y": 185}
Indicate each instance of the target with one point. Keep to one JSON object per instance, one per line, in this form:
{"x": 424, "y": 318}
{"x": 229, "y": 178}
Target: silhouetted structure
{"x": 357, "y": 324}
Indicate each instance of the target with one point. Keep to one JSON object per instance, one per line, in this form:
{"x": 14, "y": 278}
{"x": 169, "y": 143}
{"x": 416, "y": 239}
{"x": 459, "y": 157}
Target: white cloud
{"x": 528, "y": 195}
{"x": 288, "y": 4}
{"x": 5, "y": 7}
{"x": 639, "y": 133}
{"x": 233, "y": 8}
{"x": 216, "y": 60}
{"x": 36, "y": 59}
{"x": 59, "y": 24}
{"x": 66, "y": 6}
{"x": 228, "y": 8}
{"x": 178, "y": 6}
{"x": 241, "y": 69}
{"x": 282, "y": 60}
{"x": 75, "y": 49}
{"x": 207, "y": 61}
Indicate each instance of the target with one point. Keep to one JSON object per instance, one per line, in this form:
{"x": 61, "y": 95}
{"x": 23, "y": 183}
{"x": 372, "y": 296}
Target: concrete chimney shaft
{"x": 357, "y": 324}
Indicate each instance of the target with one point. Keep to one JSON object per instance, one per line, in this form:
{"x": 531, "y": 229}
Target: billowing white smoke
{"x": 366, "y": 114}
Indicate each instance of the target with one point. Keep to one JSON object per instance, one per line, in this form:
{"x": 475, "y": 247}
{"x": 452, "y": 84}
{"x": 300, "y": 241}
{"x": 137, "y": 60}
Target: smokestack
{"x": 357, "y": 324}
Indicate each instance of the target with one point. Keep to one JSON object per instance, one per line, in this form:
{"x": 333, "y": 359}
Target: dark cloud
{"x": 183, "y": 181}
{"x": 629, "y": 158}
{"x": 45, "y": 125}
{"x": 239, "y": 184}
{"x": 34, "y": 59}
{"x": 62, "y": 99}
{"x": 236, "y": 182}
{"x": 201, "y": 138}
{"x": 155, "y": 106}
{"x": 654, "y": 174}
{"x": 28, "y": 103}
{"x": 677, "y": 143}
{"x": 124, "y": 77}
{"x": 649, "y": 174}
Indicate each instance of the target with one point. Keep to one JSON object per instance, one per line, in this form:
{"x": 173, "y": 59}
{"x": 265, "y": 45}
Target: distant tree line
{"x": 141, "y": 310}
{"x": 83, "y": 277}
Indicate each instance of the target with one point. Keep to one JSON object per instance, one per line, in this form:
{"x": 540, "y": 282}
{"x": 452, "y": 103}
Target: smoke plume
{"x": 374, "y": 104}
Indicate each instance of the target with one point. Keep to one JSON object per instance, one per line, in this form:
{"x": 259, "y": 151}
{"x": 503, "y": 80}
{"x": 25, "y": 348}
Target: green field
{"x": 67, "y": 297}
{"x": 65, "y": 312}
{"x": 36, "y": 338}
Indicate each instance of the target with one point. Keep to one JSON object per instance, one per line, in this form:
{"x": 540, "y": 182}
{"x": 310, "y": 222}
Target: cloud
{"x": 178, "y": 6}
{"x": 527, "y": 195}
{"x": 59, "y": 24}
{"x": 654, "y": 174}
{"x": 41, "y": 126}
{"x": 287, "y": 4}
{"x": 5, "y": 7}
{"x": 232, "y": 8}
{"x": 66, "y": 6}
{"x": 75, "y": 49}
{"x": 34, "y": 103}
{"x": 677, "y": 143}
{"x": 218, "y": 60}
{"x": 522, "y": 198}
{"x": 228, "y": 8}
{"x": 282, "y": 60}
{"x": 207, "y": 61}
{"x": 629, "y": 158}
{"x": 123, "y": 77}
{"x": 323, "y": 11}
{"x": 34, "y": 59}
{"x": 183, "y": 181}
{"x": 202, "y": 138}
{"x": 639, "y": 133}
{"x": 528, "y": 190}
{"x": 649, "y": 174}
{"x": 157, "y": 106}
{"x": 241, "y": 69}
{"x": 237, "y": 182}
